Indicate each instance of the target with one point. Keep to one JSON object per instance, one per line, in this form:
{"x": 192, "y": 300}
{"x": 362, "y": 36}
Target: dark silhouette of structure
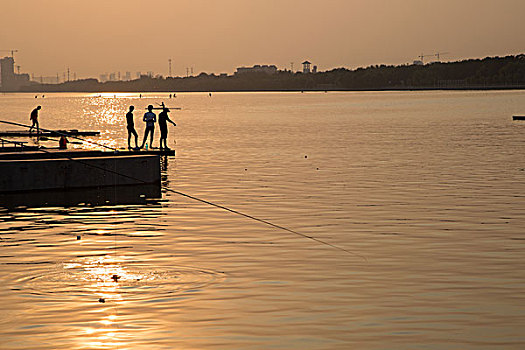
{"x": 488, "y": 73}
{"x": 9, "y": 80}
{"x": 306, "y": 67}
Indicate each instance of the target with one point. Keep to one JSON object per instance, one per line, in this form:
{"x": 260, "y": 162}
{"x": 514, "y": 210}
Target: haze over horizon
{"x": 98, "y": 36}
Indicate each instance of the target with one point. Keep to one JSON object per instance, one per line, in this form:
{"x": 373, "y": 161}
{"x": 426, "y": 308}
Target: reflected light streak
{"x": 98, "y": 274}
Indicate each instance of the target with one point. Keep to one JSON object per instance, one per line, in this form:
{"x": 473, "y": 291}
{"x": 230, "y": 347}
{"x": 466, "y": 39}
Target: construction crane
{"x": 421, "y": 57}
{"x": 437, "y": 55}
{"x": 12, "y": 52}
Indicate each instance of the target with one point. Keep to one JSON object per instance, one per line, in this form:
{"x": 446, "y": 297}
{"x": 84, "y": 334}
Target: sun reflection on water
{"x": 102, "y": 275}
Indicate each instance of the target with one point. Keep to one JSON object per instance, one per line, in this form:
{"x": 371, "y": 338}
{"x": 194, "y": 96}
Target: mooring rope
{"x": 219, "y": 206}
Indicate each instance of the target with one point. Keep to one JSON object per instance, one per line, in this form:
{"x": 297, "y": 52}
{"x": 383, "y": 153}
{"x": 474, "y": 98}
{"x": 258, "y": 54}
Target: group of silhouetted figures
{"x": 150, "y": 119}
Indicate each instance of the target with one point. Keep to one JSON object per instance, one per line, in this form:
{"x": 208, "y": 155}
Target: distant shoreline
{"x": 491, "y": 73}
{"x": 399, "y": 89}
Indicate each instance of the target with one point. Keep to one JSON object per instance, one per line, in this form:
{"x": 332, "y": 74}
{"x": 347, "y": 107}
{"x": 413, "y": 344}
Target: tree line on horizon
{"x": 490, "y": 72}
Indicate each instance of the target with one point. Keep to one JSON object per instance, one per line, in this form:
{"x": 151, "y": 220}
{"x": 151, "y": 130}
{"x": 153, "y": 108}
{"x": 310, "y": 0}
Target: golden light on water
{"x": 99, "y": 274}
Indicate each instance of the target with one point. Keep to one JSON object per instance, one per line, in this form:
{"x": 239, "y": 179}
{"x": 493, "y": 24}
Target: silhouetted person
{"x": 34, "y": 118}
{"x": 150, "y": 118}
{"x": 163, "y": 126}
{"x": 62, "y": 143}
{"x": 131, "y": 127}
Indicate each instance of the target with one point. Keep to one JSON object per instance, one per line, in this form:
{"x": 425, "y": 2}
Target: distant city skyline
{"x": 104, "y": 37}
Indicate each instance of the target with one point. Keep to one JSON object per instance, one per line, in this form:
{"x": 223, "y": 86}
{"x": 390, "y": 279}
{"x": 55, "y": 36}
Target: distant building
{"x": 306, "y": 67}
{"x": 257, "y": 69}
{"x": 418, "y": 62}
{"x": 112, "y": 77}
{"x": 127, "y": 76}
{"x": 314, "y": 70}
{"x": 103, "y": 78}
{"x": 9, "y": 81}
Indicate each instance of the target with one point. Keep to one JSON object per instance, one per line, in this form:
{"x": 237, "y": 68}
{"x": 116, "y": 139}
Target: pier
{"x": 60, "y": 170}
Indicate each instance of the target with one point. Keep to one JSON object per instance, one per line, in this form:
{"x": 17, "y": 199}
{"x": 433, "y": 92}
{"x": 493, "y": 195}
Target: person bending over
{"x": 34, "y": 118}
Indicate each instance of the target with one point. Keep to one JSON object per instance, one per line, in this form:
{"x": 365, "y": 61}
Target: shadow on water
{"x": 164, "y": 166}
{"x": 131, "y": 194}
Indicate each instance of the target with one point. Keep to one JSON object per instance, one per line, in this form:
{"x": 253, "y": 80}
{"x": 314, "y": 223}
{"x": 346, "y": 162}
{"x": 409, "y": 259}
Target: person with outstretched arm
{"x": 34, "y": 118}
{"x": 131, "y": 127}
{"x": 150, "y": 118}
{"x": 163, "y": 126}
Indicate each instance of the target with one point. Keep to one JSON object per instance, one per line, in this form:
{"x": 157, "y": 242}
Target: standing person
{"x": 131, "y": 127}
{"x": 163, "y": 125}
{"x": 34, "y": 118}
{"x": 150, "y": 118}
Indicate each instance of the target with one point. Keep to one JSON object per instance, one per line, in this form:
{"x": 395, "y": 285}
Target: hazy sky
{"x": 96, "y": 36}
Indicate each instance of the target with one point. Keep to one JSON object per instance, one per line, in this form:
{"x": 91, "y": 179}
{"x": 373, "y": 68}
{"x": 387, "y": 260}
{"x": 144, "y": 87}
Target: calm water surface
{"x": 425, "y": 189}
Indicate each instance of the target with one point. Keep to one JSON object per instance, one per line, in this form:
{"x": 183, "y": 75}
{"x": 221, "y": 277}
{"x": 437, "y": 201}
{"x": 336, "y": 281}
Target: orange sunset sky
{"x": 214, "y": 36}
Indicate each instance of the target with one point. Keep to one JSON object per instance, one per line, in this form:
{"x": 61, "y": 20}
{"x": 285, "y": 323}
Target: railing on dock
{"x": 11, "y": 143}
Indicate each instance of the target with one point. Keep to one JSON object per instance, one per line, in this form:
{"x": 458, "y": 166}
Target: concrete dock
{"x": 55, "y": 169}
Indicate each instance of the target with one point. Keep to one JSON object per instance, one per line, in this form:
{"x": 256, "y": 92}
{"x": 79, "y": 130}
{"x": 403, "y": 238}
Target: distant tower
{"x": 306, "y": 66}
{"x": 169, "y": 62}
{"x": 7, "y": 72}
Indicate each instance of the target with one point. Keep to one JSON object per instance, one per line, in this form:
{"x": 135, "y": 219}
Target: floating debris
{"x": 115, "y": 278}
{"x": 101, "y": 300}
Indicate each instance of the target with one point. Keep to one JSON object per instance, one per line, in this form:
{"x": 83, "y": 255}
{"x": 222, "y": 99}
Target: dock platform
{"x": 518, "y": 117}
{"x": 67, "y": 169}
